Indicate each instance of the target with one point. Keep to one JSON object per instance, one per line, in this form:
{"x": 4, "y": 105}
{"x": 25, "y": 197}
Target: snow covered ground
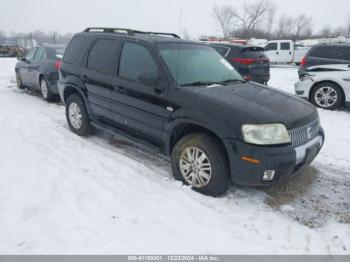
{"x": 60, "y": 193}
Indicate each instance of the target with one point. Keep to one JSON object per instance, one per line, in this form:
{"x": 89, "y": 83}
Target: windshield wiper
{"x": 228, "y": 81}
{"x": 202, "y": 83}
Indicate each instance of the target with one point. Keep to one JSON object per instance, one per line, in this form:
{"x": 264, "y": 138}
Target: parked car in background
{"x": 181, "y": 98}
{"x": 325, "y": 54}
{"x": 39, "y": 70}
{"x": 285, "y": 51}
{"x": 11, "y": 51}
{"x": 326, "y": 86}
{"x": 250, "y": 61}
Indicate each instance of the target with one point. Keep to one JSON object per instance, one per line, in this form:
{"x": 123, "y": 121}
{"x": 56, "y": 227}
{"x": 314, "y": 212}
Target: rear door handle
{"x": 84, "y": 77}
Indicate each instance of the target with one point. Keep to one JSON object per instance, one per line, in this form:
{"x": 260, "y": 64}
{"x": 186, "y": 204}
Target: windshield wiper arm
{"x": 232, "y": 81}
{"x": 201, "y": 83}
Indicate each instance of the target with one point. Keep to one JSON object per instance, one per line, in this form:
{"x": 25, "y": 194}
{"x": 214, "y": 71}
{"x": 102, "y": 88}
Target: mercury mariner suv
{"x": 184, "y": 99}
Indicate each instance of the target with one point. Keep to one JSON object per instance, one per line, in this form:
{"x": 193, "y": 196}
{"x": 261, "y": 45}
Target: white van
{"x": 285, "y": 51}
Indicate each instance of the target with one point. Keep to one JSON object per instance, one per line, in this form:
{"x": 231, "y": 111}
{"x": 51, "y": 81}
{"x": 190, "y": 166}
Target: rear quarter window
{"x": 221, "y": 50}
{"x": 75, "y": 49}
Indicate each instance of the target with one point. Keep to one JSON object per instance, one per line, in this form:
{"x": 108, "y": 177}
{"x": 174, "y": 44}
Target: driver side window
{"x": 135, "y": 60}
{"x": 271, "y": 47}
{"x": 31, "y": 54}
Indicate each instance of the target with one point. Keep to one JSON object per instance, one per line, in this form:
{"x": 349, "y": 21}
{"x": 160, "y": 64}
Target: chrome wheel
{"x": 75, "y": 117}
{"x": 195, "y": 167}
{"x": 44, "y": 90}
{"x": 326, "y": 96}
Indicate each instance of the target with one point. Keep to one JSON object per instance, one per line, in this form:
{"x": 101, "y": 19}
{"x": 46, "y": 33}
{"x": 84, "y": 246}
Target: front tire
{"x": 77, "y": 116}
{"x": 327, "y": 96}
{"x": 199, "y": 160}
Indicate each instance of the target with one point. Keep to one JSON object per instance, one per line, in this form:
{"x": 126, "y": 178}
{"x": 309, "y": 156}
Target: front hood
{"x": 264, "y": 104}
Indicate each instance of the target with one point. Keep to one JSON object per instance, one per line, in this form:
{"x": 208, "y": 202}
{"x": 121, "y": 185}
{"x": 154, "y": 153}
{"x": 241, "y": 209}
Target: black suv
{"x": 181, "y": 97}
{"x": 324, "y": 54}
{"x": 250, "y": 61}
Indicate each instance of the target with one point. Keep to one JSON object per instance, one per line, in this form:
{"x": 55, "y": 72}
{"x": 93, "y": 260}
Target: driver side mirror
{"x": 21, "y": 58}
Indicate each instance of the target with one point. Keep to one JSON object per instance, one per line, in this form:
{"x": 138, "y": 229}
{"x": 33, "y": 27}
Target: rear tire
{"x": 19, "y": 81}
{"x": 327, "y": 95}
{"x": 200, "y": 161}
{"x": 77, "y": 116}
{"x": 45, "y": 90}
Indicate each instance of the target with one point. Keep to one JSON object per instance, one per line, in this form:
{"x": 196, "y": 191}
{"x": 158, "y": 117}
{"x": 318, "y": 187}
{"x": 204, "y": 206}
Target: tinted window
{"x": 235, "y": 52}
{"x": 31, "y": 54}
{"x": 39, "y": 54}
{"x": 271, "y": 46}
{"x": 75, "y": 49}
{"x": 253, "y": 52}
{"x": 102, "y": 56}
{"x": 221, "y": 50}
{"x": 136, "y": 59}
{"x": 285, "y": 46}
{"x": 331, "y": 52}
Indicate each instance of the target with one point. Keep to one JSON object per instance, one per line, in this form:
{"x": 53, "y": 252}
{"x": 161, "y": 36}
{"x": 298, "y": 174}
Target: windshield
{"x": 59, "y": 50}
{"x": 193, "y": 64}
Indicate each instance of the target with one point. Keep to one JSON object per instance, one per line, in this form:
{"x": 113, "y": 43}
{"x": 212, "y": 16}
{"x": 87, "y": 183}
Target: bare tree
{"x": 224, "y": 16}
{"x": 271, "y": 13}
{"x": 285, "y": 27}
{"x": 302, "y": 26}
{"x": 252, "y": 14}
{"x": 326, "y": 31}
{"x": 348, "y": 29}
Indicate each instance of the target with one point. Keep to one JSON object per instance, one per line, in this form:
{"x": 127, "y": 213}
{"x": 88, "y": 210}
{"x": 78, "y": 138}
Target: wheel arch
{"x": 183, "y": 129}
{"x": 315, "y": 85}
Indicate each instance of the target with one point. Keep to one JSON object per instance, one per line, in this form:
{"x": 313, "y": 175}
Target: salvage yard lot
{"x": 60, "y": 193}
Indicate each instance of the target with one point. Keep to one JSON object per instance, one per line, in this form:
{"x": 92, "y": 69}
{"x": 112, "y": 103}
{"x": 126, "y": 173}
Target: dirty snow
{"x": 60, "y": 193}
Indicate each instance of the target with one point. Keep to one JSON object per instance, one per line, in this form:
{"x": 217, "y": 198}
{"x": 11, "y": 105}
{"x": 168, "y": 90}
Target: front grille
{"x": 304, "y": 134}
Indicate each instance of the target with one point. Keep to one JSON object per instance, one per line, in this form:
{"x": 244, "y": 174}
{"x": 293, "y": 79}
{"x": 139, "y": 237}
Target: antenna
{"x": 180, "y": 25}
{"x": 178, "y": 47}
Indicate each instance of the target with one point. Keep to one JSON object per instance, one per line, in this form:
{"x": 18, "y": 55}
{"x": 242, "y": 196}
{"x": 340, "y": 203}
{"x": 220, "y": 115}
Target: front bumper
{"x": 284, "y": 160}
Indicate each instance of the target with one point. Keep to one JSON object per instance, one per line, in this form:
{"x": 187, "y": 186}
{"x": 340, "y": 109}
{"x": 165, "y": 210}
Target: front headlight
{"x": 268, "y": 134}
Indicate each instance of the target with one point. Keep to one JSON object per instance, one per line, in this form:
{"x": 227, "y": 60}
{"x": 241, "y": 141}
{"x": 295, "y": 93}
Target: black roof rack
{"x": 126, "y": 31}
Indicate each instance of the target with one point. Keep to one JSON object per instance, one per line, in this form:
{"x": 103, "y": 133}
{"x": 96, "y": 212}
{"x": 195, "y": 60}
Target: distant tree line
{"x": 259, "y": 19}
{"x": 39, "y": 36}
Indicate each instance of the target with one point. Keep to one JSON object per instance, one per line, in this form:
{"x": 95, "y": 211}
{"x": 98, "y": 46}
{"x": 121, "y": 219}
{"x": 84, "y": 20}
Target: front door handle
{"x": 120, "y": 90}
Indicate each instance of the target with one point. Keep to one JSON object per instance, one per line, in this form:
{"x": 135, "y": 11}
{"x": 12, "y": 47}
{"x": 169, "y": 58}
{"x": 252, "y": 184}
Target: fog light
{"x": 268, "y": 175}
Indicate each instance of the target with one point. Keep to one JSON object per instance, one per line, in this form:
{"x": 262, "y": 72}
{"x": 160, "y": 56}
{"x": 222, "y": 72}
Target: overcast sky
{"x": 156, "y": 15}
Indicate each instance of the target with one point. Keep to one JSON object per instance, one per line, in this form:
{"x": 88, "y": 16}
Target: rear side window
{"x": 75, "y": 49}
{"x": 331, "y": 52}
{"x": 271, "y": 46}
{"x": 102, "y": 56}
{"x": 221, "y": 50}
{"x": 285, "y": 46}
{"x": 136, "y": 59}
